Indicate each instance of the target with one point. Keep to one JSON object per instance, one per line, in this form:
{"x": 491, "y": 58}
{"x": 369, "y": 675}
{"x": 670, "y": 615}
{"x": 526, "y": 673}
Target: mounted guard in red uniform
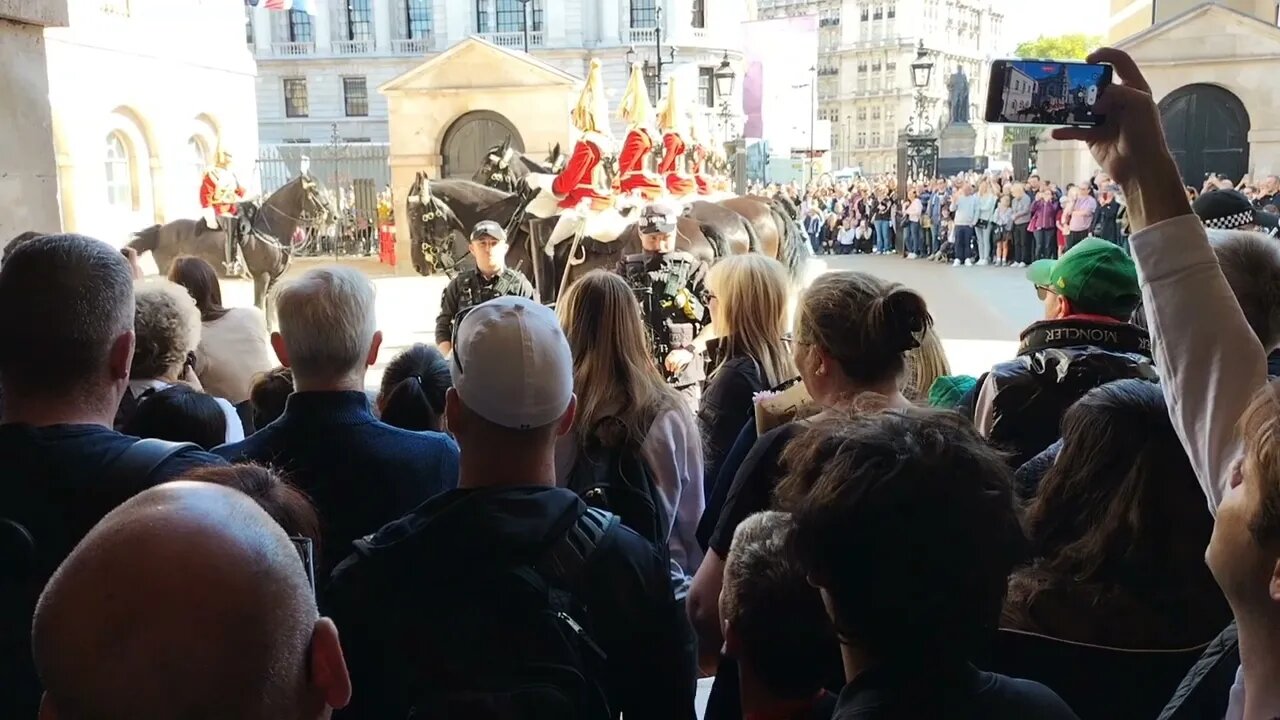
{"x": 679, "y": 184}
{"x": 578, "y": 194}
{"x": 634, "y": 177}
{"x": 220, "y": 196}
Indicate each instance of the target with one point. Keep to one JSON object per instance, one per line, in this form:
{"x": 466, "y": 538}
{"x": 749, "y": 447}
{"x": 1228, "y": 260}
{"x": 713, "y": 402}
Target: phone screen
{"x": 1038, "y": 92}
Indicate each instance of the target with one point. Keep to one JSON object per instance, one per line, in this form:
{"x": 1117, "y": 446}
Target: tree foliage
{"x": 1059, "y": 47}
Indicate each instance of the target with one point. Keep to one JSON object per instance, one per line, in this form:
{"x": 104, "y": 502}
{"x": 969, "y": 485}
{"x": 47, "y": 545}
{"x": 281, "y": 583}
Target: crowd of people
{"x": 990, "y": 219}
{"x": 538, "y": 520}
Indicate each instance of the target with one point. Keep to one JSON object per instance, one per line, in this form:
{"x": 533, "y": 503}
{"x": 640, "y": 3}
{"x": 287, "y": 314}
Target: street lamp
{"x": 655, "y": 80}
{"x": 524, "y": 13}
{"x": 725, "y": 78}
{"x": 922, "y": 146}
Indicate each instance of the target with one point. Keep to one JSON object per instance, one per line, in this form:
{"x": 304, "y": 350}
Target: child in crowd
{"x": 946, "y": 245}
{"x": 863, "y": 236}
{"x": 1004, "y": 229}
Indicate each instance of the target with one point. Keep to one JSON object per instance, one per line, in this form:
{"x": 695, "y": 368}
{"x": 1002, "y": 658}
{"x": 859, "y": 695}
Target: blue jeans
{"x": 964, "y": 236}
{"x": 884, "y": 236}
{"x": 915, "y": 239}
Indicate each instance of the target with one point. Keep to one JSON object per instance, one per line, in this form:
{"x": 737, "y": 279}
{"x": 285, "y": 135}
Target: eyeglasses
{"x": 1042, "y": 292}
{"x": 307, "y": 552}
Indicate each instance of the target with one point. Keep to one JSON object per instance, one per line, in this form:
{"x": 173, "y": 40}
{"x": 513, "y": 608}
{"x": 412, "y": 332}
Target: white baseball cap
{"x": 511, "y": 363}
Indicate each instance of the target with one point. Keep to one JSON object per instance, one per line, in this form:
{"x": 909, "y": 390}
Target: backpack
{"x": 32, "y": 545}
{"x": 610, "y": 474}
{"x": 505, "y": 642}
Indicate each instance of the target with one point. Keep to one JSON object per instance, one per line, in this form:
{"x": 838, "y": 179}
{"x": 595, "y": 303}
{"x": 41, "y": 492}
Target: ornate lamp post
{"x": 734, "y": 151}
{"x": 922, "y": 143}
{"x": 653, "y": 73}
{"x": 524, "y": 11}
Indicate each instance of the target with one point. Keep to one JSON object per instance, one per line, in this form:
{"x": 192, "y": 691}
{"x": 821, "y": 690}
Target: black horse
{"x": 505, "y": 167}
{"x": 265, "y": 247}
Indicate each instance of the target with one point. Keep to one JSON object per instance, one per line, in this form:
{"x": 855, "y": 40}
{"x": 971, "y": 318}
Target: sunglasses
{"x": 307, "y": 552}
{"x": 1042, "y": 292}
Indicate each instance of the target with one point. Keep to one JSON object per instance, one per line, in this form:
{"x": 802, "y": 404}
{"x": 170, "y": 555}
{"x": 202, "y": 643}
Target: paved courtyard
{"x": 979, "y": 311}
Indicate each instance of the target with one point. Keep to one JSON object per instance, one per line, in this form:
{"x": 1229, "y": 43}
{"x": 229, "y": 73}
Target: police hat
{"x": 1230, "y": 209}
{"x": 488, "y": 229}
{"x": 657, "y": 218}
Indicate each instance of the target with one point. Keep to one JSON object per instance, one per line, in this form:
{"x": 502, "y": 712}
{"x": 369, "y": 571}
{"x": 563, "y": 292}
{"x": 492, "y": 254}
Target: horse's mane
{"x": 468, "y": 191}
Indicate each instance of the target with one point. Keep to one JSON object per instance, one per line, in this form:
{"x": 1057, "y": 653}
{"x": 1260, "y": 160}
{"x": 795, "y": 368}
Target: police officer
{"x": 490, "y": 278}
{"x": 671, "y": 287}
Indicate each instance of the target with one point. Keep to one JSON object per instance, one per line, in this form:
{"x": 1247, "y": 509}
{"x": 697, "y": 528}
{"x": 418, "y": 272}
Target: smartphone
{"x": 1045, "y": 92}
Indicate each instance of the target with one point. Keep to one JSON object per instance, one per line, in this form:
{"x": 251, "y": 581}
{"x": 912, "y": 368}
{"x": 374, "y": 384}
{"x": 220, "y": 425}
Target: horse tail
{"x": 753, "y": 237}
{"x": 788, "y": 208}
{"x": 792, "y": 251}
{"x": 145, "y": 241}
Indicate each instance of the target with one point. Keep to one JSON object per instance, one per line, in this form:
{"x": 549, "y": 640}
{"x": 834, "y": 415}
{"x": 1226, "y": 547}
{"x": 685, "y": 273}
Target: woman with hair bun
{"x": 414, "y": 384}
{"x": 852, "y": 333}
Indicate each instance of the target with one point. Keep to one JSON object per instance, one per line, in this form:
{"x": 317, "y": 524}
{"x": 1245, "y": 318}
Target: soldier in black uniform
{"x": 490, "y": 278}
{"x": 671, "y": 287}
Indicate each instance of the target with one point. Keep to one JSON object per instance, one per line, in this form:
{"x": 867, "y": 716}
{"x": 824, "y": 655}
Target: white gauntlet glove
{"x": 210, "y": 218}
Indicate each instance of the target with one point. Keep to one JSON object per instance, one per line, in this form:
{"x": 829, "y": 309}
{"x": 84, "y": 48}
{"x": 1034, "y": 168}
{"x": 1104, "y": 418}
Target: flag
{"x": 278, "y": 4}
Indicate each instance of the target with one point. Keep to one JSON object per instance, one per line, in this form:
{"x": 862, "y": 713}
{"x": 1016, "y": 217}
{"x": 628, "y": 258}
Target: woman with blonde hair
{"x": 619, "y": 389}
{"x": 749, "y": 296}
{"x": 985, "y": 226}
{"x": 852, "y": 334}
{"x": 925, "y": 365}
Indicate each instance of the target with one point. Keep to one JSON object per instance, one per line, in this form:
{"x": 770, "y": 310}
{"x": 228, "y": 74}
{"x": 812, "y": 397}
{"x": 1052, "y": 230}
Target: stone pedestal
{"x": 28, "y": 173}
{"x": 957, "y": 148}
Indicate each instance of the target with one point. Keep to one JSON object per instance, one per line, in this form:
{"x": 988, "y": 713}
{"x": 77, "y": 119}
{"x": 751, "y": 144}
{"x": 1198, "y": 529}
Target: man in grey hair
{"x": 1250, "y": 261}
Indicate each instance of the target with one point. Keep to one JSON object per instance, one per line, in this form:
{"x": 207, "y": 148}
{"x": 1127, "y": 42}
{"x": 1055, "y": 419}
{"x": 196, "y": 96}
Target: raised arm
{"x": 1210, "y": 362}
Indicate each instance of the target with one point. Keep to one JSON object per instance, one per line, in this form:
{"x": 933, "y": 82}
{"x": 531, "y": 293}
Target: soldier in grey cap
{"x": 487, "y": 279}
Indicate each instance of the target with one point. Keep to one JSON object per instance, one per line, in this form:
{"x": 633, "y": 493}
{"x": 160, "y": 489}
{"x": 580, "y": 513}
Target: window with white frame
{"x": 707, "y": 86}
{"x": 296, "y": 102}
{"x": 355, "y": 96}
{"x": 417, "y": 19}
{"x": 360, "y": 20}
{"x": 699, "y": 14}
{"x": 644, "y": 14}
{"x": 300, "y": 29}
{"x": 119, "y": 172}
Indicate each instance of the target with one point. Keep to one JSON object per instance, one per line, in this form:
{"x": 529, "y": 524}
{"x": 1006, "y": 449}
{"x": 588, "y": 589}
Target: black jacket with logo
{"x": 672, "y": 291}
{"x": 1058, "y": 361}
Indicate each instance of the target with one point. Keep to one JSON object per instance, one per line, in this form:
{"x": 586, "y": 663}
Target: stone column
{"x": 322, "y": 25}
{"x": 29, "y": 183}
{"x": 383, "y": 24}
{"x": 261, "y": 32}
{"x": 610, "y": 23}
{"x": 554, "y": 28}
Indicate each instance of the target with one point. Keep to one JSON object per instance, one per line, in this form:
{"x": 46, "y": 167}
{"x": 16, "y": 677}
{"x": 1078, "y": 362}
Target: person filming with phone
{"x": 1214, "y": 379}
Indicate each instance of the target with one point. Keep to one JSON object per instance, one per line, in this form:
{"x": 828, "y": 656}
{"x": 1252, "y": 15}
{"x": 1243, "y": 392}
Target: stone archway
{"x": 1207, "y": 128}
{"x": 470, "y": 137}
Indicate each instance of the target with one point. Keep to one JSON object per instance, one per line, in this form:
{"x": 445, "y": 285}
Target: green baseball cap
{"x": 949, "y": 390}
{"x": 1095, "y": 275}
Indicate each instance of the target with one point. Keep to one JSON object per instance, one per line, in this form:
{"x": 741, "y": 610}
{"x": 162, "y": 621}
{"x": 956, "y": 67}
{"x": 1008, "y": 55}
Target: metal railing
{"x": 291, "y": 49}
{"x": 641, "y": 36}
{"x": 514, "y": 40}
{"x": 411, "y": 46}
{"x": 353, "y": 47}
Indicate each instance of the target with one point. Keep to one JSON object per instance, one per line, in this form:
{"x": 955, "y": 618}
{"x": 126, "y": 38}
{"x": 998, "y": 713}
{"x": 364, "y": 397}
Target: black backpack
{"x": 502, "y": 643}
{"x": 610, "y": 474}
{"x": 36, "y": 534}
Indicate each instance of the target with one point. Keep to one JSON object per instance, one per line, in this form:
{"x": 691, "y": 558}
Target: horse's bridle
{"x": 436, "y": 250}
{"x": 312, "y": 197}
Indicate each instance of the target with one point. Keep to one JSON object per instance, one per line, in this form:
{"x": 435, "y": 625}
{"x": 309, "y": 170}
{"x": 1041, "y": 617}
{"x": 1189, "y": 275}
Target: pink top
{"x": 1082, "y": 213}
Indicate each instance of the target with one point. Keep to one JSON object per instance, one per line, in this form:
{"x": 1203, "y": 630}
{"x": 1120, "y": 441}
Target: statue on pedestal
{"x": 958, "y": 96}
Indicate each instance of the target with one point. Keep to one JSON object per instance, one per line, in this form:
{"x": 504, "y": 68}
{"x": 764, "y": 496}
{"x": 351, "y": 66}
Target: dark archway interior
{"x": 470, "y": 137}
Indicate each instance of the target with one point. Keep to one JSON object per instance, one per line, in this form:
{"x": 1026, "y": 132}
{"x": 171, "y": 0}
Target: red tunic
{"x": 677, "y": 184}
{"x": 635, "y": 149}
{"x": 576, "y": 181}
{"x": 221, "y": 191}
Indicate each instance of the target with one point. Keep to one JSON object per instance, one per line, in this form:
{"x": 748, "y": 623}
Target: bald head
{"x": 188, "y": 601}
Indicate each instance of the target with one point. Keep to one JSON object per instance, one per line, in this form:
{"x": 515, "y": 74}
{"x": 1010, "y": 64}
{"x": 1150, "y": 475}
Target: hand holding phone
{"x": 1039, "y": 92}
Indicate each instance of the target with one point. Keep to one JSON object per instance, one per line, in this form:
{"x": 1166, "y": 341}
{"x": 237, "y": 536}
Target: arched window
{"x": 119, "y": 167}
{"x": 199, "y": 153}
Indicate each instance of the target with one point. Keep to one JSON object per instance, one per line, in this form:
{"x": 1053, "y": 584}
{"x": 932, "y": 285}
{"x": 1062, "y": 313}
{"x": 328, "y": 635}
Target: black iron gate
{"x": 1207, "y": 128}
{"x": 354, "y": 176}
